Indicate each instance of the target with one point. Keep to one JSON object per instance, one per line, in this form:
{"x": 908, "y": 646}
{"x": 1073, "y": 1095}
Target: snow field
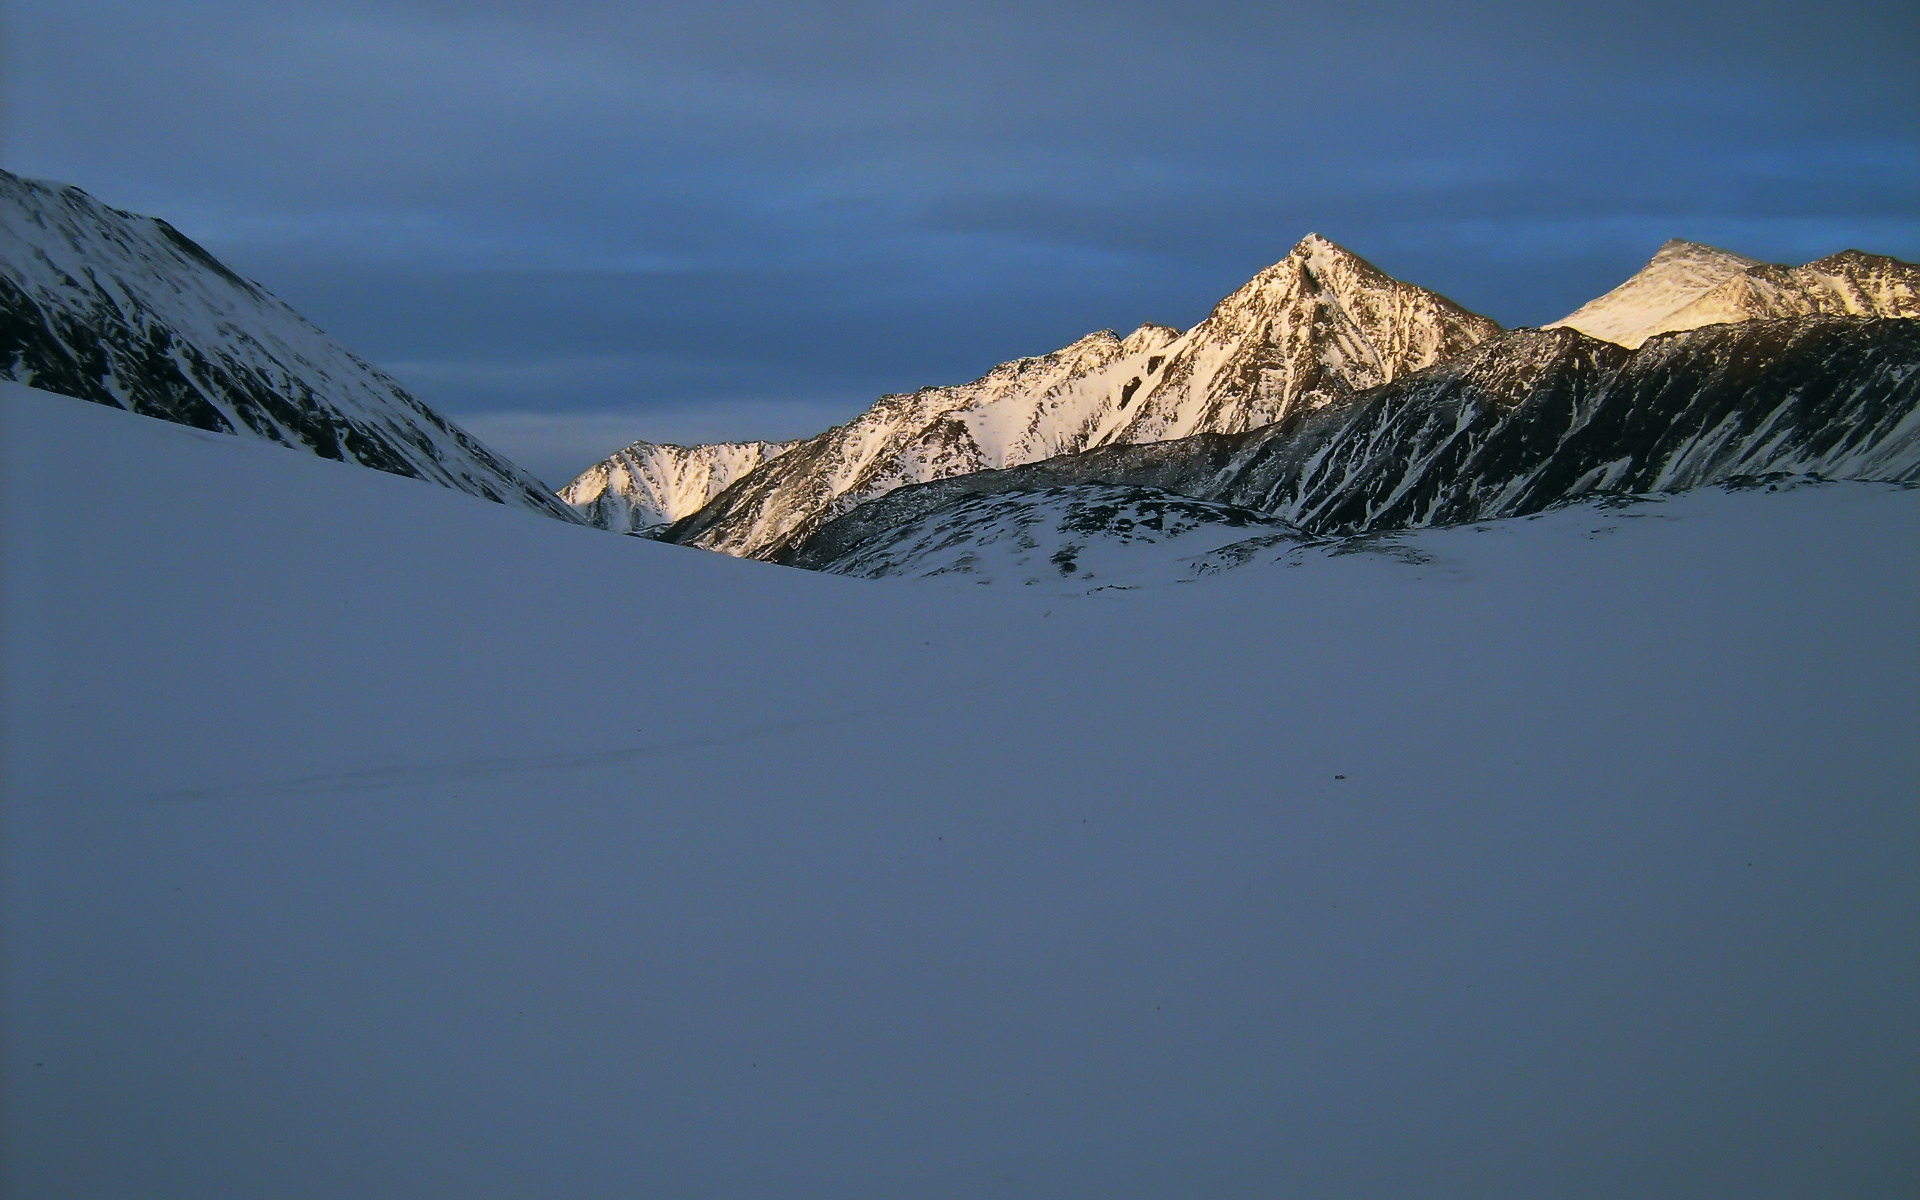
{"x": 363, "y": 838}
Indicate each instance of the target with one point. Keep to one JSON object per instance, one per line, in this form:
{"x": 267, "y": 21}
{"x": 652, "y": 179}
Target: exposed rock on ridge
{"x": 1312, "y": 330}
{"x": 1101, "y": 537}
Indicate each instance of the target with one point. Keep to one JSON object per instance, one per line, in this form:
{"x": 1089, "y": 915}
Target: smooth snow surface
{"x": 348, "y": 854}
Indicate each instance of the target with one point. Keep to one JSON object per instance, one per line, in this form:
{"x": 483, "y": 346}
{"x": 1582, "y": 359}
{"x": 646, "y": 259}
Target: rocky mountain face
{"x": 1686, "y": 285}
{"x": 1521, "y": 423}
{"x": 1308, "y": 333}
{"x": 1021, "y": 410}
{"x": 125, "y": 311}
{"x": 647, "y": 486}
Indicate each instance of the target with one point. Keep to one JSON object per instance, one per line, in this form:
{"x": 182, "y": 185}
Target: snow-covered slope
{"x": 1028, "y": 408}
{"x": 122, "y": 310}
{"x": 1520, "y": 423}
{"x": 1679, "y": 273}
{"x": 1536, "y": 418}
{"x": 1687, "y": 285}
{"x": 1360, "y": 878}
{"x": 649, "y": 485}
{"x": 1078, "y": 540}
{"x": 336, "y": 865}
{"x": 1083, "y": 539}
{"x": 1308, "y": 332}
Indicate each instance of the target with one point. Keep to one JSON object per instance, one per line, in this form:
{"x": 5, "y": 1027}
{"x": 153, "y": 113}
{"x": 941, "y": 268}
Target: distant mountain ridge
{"x": 1093, "y": 534}
{"x": 1517, "y": 425}
{"x": 1687, "y": 285}
{"x": 1024, "y": 409}
{"x": 1313, "y": 330}
{"x": 1299, "y": 341}
{"x": 646, "y": 486}
{"x": 125, "y": 311}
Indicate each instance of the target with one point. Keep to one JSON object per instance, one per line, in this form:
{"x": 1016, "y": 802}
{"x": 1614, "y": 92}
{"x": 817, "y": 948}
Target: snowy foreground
{"x": 365, "y": 839}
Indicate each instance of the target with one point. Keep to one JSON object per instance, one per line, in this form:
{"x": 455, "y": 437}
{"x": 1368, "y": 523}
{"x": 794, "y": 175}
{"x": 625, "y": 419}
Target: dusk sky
{"x": 573, "y": 224}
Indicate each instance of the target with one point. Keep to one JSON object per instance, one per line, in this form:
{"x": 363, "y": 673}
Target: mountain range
{"x": 1323, "y": 395}
{"x": 1523, "y": 422}
{"x": 1312, "y": 331}
{"x": 1324, "y": 351}
{"x": 362, "y": 839}
{"x": 1705, "y": 367}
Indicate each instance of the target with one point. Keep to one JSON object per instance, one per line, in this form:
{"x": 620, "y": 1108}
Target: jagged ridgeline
{"x": 1687, "y": 286}
{"x": 1523, "y": 422}
{"x": 1323, "y": 394}
{"x": 1310, "y": 332}
{"x": 647, "y": 486}
{"x": 1291, "y": 352}
{"x": 125, "y": 311}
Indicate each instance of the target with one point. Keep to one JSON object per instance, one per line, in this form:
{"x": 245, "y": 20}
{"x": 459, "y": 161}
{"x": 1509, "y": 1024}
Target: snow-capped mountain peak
{"x": 1317, "y": 327}
{"x": 1686, "y": 285}
{"x": 1148, "y": 338}
{"x": 1678, "y": 274}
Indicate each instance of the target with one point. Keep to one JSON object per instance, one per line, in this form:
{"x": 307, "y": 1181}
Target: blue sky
{"x": 572, "y": 224}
